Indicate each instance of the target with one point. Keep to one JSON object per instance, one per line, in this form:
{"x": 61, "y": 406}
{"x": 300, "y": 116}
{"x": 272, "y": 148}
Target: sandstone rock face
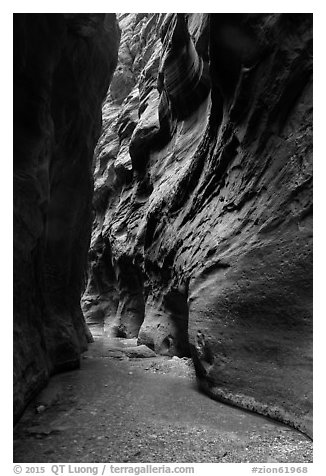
{"x": 63, "y": 64}
{"x": 202, "y": 239}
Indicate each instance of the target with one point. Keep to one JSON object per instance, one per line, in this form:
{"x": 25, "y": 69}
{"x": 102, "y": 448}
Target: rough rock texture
{"x": 63, "y": 64}
{"x": 202, "y": 239}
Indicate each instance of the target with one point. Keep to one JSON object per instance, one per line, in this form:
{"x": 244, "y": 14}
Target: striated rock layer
{"x": 63, "y": 64}
{"x": 202, "y": 239}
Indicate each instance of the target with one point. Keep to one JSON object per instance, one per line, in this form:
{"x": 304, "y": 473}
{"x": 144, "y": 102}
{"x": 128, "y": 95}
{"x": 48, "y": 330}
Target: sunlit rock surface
{"x": 63, "y": 64}
{"x": 202, "y": 239}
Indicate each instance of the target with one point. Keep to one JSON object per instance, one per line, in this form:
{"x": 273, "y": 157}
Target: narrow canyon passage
{"x": 144, "y": 409}
{"x": 163, "y": 204}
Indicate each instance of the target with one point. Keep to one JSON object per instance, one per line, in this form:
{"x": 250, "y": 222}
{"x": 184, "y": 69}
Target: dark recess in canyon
{"x": 201, "y": 243}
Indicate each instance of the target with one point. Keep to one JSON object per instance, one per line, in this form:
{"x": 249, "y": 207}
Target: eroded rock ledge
{"x": 63, "y": 64}
{"x": 202, "y": 240}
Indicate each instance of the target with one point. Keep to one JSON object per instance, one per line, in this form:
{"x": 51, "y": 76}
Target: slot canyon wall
{"x": 63, "y": 64}
{"x": 202, "y": 237}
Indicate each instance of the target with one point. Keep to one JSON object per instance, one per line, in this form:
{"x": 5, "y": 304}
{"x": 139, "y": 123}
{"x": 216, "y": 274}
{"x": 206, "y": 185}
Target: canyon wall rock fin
{"x": 209, "y": 198}
{"x": 63, "y": 64}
